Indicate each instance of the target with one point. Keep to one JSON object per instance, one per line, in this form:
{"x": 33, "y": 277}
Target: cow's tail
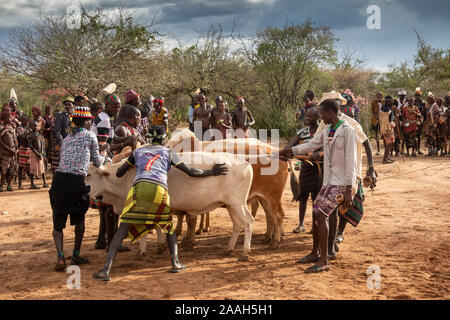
{"x": 295, "y": 184}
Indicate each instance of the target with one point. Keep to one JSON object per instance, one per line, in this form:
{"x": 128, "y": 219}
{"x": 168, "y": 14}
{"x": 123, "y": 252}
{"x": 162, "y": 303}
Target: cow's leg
{"x": 200, "y": 227}
{"x": 162, "y": 245}
{"x": 179, "y": 227}
{"x": 277, "y": 214}
{"x": 268, "y": 236}
{"x": 254, "y": 204}
{"x": 101, "y": 239}
{"x": 190, "y": 233}
{"x": 246, "y": 219}
{"x": 237, "y": 224}
{"x": 206, "y": 228}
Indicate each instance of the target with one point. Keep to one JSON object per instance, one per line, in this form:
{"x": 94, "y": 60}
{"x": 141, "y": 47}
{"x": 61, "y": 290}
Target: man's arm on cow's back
{"x": 127, "y": 165}
{"x": 218, "y": 169}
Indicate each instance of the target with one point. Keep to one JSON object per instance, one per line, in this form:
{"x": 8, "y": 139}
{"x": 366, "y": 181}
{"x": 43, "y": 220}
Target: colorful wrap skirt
{"x": 326, "y": 203}
{"x": 355, "y": 212}
{"x": 326, "y": 200}
{"x": 146, "y": 207}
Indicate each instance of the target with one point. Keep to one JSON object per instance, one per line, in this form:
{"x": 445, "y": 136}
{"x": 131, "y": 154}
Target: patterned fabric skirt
{"x": 147, "y": 206}
{"x": 410, "y": 138}
{"x": 389, "y": 136}
{"x": 326, "y": 200}
{"x": 24, "y": 157}
{"x": 355, "y": 213}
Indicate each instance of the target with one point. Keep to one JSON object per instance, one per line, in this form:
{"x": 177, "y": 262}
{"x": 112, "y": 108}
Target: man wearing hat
{"x": 69, "y": 196}
{"x": 354, "y": 214}
{"x": 339, "y": 141}
{"x": 62, "y": 122}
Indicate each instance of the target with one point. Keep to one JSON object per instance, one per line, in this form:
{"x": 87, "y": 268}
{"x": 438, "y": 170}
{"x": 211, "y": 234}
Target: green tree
{"x": 84, "y": 59}
{"x": 283, "y": 59}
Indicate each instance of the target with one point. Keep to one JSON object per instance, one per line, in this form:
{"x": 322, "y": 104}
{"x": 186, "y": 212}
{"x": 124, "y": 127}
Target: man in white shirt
{"x": 363, "y": 141}
{"x": 339, "y": 141}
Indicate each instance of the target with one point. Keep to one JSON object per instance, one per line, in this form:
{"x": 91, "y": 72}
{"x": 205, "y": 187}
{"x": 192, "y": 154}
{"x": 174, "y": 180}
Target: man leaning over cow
{"x": 147, "y": 204}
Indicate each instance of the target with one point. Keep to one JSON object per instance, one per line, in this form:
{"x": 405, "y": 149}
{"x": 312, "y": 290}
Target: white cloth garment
{"x": 359, "y": 133}
{"x": 340, "y": 155}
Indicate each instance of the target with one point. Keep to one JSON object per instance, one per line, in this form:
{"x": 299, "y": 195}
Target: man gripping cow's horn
{"x": 147, "y": 204}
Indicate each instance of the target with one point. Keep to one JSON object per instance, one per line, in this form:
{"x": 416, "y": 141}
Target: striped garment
{"x": 24, "y": 157}
{"x": 147, "y": 206}
{"x": 355, "y": 213}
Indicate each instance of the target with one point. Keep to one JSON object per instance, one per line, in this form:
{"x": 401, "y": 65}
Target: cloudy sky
{"x": 182, "y": 19}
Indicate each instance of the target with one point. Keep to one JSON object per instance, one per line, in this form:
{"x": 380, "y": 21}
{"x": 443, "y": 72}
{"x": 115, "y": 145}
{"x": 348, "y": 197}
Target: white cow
{"x": 193, "y": 196}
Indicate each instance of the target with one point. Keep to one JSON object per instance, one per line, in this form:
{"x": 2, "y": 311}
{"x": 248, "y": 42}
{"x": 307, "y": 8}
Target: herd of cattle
{"x": 257, "y": 179}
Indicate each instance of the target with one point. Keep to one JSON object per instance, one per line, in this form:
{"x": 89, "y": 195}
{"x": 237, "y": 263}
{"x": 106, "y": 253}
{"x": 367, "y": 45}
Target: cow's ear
{"x": 104, "y": 173}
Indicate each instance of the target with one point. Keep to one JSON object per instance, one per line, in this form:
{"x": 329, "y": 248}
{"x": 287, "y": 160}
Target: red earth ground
{"x": 404, "y": 231}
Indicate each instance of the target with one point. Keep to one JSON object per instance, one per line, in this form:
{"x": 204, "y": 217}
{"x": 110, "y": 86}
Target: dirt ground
{"x": 404, "y": 231}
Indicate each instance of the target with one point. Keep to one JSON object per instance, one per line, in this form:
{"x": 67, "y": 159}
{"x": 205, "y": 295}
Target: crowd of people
{"x": 84, "y": 132}
{"x": 30, "y": 144}
{"x": 404, "y": 122}
{"x": 225, "y": 123}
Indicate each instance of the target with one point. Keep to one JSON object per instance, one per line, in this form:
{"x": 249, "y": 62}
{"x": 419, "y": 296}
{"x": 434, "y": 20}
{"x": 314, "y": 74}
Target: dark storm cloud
{"x": 347, "y": 18}
{"x": 183, "y": 13}
{"x": 428, "y": 9}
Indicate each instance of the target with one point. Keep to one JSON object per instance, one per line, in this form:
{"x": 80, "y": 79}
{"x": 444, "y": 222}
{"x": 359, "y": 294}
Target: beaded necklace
{"x": 333, "y": 130}
{"x": 75, "y": 131}
{"x": 129, "y": 128}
